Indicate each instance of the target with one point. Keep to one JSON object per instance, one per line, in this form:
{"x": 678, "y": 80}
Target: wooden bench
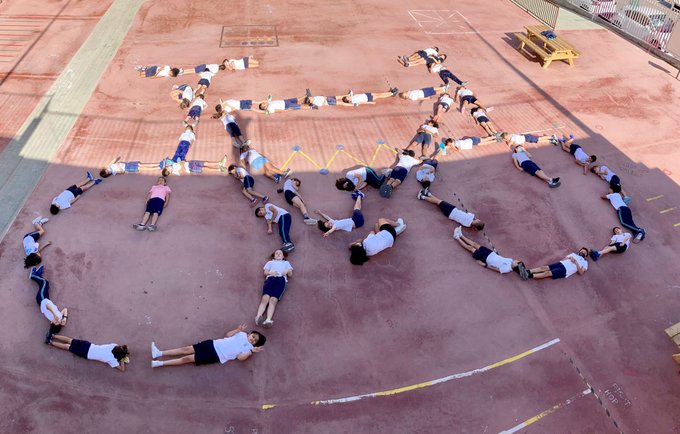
{"x": 558, "y": 48}
{"x": 673, "y": 332}
{"x": 542, "y": 53}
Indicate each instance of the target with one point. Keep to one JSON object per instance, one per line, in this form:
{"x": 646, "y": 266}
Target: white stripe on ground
{"x": 25, "y": 158}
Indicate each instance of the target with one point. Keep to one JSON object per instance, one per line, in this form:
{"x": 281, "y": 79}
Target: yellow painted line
{"x": 328, "y": 164}
{"x": 375, "y": 154}
{"x": 288, "y": 160}
{"x": 310, "y": 160}
{"x": 676, "y": 225}
{"x": 649, "y": 199}
{"x": 664, "y": 211}
{"x": 391, "y": 149}
{"x": 354, "y": 158}
{"x": 540, "y": 416}
{"x": 428, "y": 383}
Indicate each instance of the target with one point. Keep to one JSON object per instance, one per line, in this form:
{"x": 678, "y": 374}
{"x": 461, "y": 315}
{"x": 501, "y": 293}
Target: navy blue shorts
{"x": 196, "y": 166}
{"x": 246, "y": 62}
{"x": 573, "y": 147}
{"x": 194, "y": 112}
{"x": 204, "y": 82}
{"x": 155, "y": 206}
{"x": 389, "y": 229}
{"x": 428, "y": 92}
{"x": 205, "y": 354}
{"x": 289, "y": 196}
{"x": 614, "y": 181}
{"x": 274, "y": 286}
{"x": 558, "y": 271}
{"x": 432, "y": 162}
{"x": 132, "y": 166}
{"x": 620, "y": 247}
{"x": 331, "y": 100}
{"x": 357, "y": 218}
{"x": 482, "y": 253}
{"x": 370, "y": 97}
{"x": 446, "y": 208}
{"x": 423, "y": 138}
{"x": 530, "y": 138}
{"x": 233, "y": 129}
{"x": 469, "y": 99}
{"x": 475, "y": 140}
{"x": 35, "y": 235}
{"x": 150, "y": 71}
{"x": 482, "y": 119}
{"x": 200, "y": 68}
{"x": 75, "y": 190}
{"x": 291, "y": 103}
{"x": 399, "y": 173}
{"x": 422, "y": 54}
{"x": 530, "y": 167}
{"x": 246, "y": 104}
{"x": 373, "y": 179}
{"x": 248, "y": 181}
{"x": 80, "y": 348}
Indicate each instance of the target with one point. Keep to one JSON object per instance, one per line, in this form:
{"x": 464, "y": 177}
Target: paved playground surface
{"x": 353, "y": 348}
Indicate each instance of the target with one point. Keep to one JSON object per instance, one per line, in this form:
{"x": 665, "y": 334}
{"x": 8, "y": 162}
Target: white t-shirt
{"x": 64, "y": 199}
{"x": 437, "y": 67}
{"x": 269, "y": 214}
{"x": 357, "y": 176}
{"x": 228, "y": 119}
{"x": 464, "y": 144}
{"x": 229, "y": 348}
{"x": 616, "y": 200}
{"x": 318, "y": 101}
{"x": 188, "y": 93}
{"x": 242, "y": 173}
{"x": 187, "y": 136}
{"x": 426, "y": 173}
{"x": 117, "y": 168}
{"x": 581, "y": 156}
{"x": 607, "y": 173}
{"x": 521, "y": 157}
{"x": 288, "y": 186}
{"x": 623, "y": 238}
{"x": 571, "y": 267}
{"x": 430, "y": 51}
{"x": 498, "y": 262}
{"x": 199, "y": 102}
{"x": 518, "y": 139}
{"x": 279, "y": 267}
{"x": 407, "y": 162}
{"x": 163, "y": 71}
{"x": 30, "y": 245}
{"x": 45, "y": 311}
{"x": 446, "y": 99}
{"x": 213, "y": 67}
{"x": 103, "y": 353}
{"x": 231, "y": 104}
{"x": 207, "y": 75}
{"x": 415, "y": 95}
{"x": 358, "y": 99}
{"x": 343, "y": 225}
{"x": 479, "y": 113}
{"x": 237, "y": 63}
{"x": 376, "y": 243}
{"x": 251, "y": 155}
{"x": 278, "y": 105}
{"x": 430, "y": 129}
{"x": 464, "y": 92}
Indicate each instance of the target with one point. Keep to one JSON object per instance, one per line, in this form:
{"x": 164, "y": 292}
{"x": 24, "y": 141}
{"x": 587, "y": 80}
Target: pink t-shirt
{"x": 160, "y": 191}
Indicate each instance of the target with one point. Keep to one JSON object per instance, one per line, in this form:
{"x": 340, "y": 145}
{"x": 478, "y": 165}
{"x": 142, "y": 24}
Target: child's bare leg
{"x": 40, "y": 229}
{"x": 247, "y": 193}
{"x": 542, "y": 176}
{"x": 357, "y": 203}
{"x": 60, "y": 345}
{"x": 385, "y": 221}
{"x": 263, "y": 305}
{"x": 467, "y": 244}
{"x": 145, "y": 218}
{"x": 299, "y": 204}
{"x": 86, "y": 186}
{"x": 432, "y": 199}
{"x": 272, "y": 307}
{"x": 381, "y": 95}
{"x": 255, "y": 194}
{"x": 182, "y": 351}
{"x": 607, "y": 249}
{"x": 181, "y": 361}
{"x": 154, "y": 218}
{"x": 270, "y": 169}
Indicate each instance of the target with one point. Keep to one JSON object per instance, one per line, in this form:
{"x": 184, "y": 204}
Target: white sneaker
{"x": 458, "y": 232}
{"x": 310, "y": 221}
{"x": 40, "y": 220}
{"x": 402, "y": 226}
{"x": 156, "y": 363}
{"x": 155, "y": 352}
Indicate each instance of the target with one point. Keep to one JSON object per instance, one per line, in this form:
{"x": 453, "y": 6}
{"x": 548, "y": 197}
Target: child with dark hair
{"x": 248, "y": 181}
{"x": 466, "y": 96}
{"x": 274, "y": 214}
{"x": 611, "y": 178}
{"x": 425, "y": 56}
{"x": 382, "y": 237}
{"x": 197, "y": 107}
{"x": 406, "y": 160}
{"x": 31, "y": 246}
{"x": 466, "y": 219}
{"x": 580, "y": 157}
{"x": 241, "y": 64}
{"x": 276, "y": 273}
{"x": 117, "y": 167}
{"x": 624, "y": 213}
{"x": 357, "y": 179}
{"x": 425, "y": 175}
{"x": 116, "y": 356}
{"x": 236, "y": 345}
{"x": 424, "y": 136}
{"x": 56, "y": 317}
{"x": 291, "y": 193}
{"x": 619, "y": 243}
{"x": 488, "y": 258}
{"x": 522, "y": 161}
{"x": 158, "y": 71}
{"x": 482, "y": 119}
{"x": 71, "y": 195}
{"x": 258, "y": 163}
{"x": 232, "y": 128}
{"x": 328, "y": 225}
{"x": 445, "y": 74}
{"x": 156, "y": 201}
{"x": 572, "y": 263}
{"x": 183, "y": 94}
{"x": 356, "y": 99}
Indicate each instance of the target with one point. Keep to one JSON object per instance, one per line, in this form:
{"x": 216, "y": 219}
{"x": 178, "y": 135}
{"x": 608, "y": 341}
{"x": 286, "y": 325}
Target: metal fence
{"x": 648, "y": 21}
{"x": 544, "y": 11}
